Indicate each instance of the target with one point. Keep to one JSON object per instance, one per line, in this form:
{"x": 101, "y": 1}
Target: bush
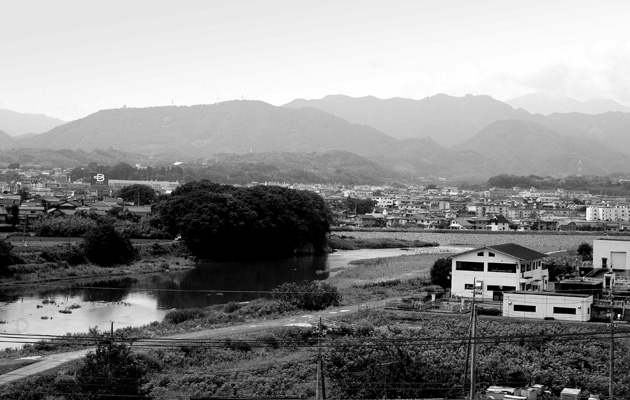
{"x": 72, "y": 254}
{"x": 309, "y": 295}
{"x": 489, "y": 311}
{"x": 179, "y": 316}
{"x": 105, "y": 246}
{"x": 230, "y": 307}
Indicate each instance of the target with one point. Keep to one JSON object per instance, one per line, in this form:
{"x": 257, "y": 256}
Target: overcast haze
{"x": 67, "y": 59}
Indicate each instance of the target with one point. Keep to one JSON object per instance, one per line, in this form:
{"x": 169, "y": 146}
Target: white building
{"x": 611, "y": 253}
{"x": 497, "y": 269}
{"x": 600, "y": 213}
{"x": 540, "y": 305}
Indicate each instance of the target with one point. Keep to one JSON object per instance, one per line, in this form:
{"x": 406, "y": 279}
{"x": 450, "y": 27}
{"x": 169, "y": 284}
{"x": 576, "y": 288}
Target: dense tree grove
{"x": 226, "y": 222}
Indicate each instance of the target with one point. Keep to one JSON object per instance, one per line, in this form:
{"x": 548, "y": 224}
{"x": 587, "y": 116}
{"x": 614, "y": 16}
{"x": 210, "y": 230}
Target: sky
{"x": 70, "y": 58}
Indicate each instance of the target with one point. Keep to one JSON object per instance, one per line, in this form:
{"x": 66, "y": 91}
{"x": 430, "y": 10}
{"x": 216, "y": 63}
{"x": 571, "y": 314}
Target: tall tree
{"x": 139, "y": 194}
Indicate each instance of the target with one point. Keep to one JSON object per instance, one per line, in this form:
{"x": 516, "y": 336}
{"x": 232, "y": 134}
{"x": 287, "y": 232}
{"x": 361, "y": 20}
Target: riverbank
{"x": 344, "y": 242}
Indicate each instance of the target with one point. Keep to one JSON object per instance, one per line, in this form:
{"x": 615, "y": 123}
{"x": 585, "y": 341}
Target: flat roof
{"x": 551, "y": 294}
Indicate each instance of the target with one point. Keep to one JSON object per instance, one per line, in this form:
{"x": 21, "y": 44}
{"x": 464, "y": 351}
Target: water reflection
{"x": 142, "y": 299}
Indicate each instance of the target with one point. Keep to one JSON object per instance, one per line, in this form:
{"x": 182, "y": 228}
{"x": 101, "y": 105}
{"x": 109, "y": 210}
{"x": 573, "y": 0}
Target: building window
{"x": 604, "y": 262}
{"x": 468, "y": 266}
{"x": 563, "y": 310}
{"x": 524, "y": 308}
{"x": 468, "y": 286}
{"x": 490, "y": 254}
{"x": 480, "y": 254}
{"x": 505, "y": 268}
{"x": 497, "y": 288}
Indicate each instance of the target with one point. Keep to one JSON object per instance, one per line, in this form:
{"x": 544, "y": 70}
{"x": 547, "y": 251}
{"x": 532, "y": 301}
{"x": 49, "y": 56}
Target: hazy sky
{"x": 68, "y": 59}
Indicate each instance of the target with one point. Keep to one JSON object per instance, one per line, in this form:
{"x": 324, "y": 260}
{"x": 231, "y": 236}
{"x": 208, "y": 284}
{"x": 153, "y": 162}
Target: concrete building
{"x": 540, "y": 305}
{"x": 599, "y": 213}
{"x": 490, "y": 271}
{"x": 611, "y": 253}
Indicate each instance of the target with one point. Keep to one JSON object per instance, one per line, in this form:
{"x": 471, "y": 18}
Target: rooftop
{"x": 552, "y": 294}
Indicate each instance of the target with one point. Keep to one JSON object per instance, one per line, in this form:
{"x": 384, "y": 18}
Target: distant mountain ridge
{"x": 545, "y": 104}
{"x": 493, "y": 138}
{"x": 446, "y": 119}
{"x": 16, "y": 123}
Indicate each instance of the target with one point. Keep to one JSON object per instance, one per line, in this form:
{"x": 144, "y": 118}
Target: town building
{"x": 541, "y": 305}
{"x": 490, "y": 271}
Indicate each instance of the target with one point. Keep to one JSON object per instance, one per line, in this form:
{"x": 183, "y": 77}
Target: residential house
{"x": 489, "y": 271}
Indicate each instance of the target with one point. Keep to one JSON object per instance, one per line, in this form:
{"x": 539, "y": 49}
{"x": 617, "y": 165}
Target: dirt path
{"x": 53, "y": 360}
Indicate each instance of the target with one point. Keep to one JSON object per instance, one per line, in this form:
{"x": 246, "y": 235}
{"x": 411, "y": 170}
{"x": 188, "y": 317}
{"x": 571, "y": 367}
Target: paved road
{"x": 51, "y": 361}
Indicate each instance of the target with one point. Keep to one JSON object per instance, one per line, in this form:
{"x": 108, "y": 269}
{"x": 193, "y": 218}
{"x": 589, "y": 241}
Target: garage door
{"x": 618, "y": 259}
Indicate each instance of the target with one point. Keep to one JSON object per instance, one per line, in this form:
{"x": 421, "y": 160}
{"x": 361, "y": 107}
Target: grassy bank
{"x": 65, "y": 262}
{"x": 342, "y": 242}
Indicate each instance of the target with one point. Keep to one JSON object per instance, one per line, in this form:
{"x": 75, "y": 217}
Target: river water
{"x": 140, "y": 300}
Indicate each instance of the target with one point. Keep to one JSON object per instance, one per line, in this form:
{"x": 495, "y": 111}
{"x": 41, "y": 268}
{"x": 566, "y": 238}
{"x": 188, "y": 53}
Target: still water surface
{"x": 140, "y": 300}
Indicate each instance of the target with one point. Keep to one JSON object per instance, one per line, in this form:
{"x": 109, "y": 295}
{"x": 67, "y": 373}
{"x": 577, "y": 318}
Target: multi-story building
{"x": 489, "y": 271}
{"x": 599, "y": 213}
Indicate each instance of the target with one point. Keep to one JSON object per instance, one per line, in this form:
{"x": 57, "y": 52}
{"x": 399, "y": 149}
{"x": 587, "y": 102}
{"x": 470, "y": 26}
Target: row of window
{"x": 479, "y": 267}
{"x": 556, "y": 310}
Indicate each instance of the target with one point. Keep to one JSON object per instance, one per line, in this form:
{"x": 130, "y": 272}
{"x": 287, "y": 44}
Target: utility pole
{"x": 473, "y": 332}
{"x": 320, "y": 391}
{"x": 471, "y": 335}
{"x": 612, "y": 348}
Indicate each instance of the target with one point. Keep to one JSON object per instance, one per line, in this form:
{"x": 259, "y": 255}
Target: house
{"x": 462, "y": 224}
{"x": 489, "y": 271}
{"x": 498, "y": 223}
{"x": 541, "y": 305}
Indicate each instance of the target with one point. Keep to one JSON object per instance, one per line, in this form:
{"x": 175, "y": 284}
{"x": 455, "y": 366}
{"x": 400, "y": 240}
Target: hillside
{"x": 545, "y": 104}
{"x": 446, "y": 119}
{"x": 198, "y": 131}
{"x": 69, "y": 158}
{"x": 523, "y": 148}
{"x": 15, "y": 123}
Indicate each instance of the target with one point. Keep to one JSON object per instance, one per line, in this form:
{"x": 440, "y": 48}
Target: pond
{"x": 56, "y": 309}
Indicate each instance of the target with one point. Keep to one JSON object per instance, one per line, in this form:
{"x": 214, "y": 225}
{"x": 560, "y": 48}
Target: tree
{"x": 111, "y": 371}
{"x": 441, "y": 272}
{"x": 7, "y": 257}
{"x": 220, "y": 221}
{"x": 139, "y": 194}
{"x": 105, "y": 246}
{"x": 361, "y": 206}
{"x": 13, "y": 166}
{"x": 585, "y": 250}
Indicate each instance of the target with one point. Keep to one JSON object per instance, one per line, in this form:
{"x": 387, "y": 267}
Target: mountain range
{"x": 15, "y": 123}
{"x": 546, "y": 104}
{"x": 470, "y": 137}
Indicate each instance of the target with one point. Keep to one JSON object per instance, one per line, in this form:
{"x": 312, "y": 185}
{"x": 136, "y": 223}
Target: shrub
{"x": 309, "y": 295}
{"x": 72, "y": 254}
{"x": 230, "y": 307}
{"x": 179, "y": 316}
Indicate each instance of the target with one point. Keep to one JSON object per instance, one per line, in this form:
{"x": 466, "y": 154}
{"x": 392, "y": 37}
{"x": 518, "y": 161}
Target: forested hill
{"x": 228, "y": 127}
